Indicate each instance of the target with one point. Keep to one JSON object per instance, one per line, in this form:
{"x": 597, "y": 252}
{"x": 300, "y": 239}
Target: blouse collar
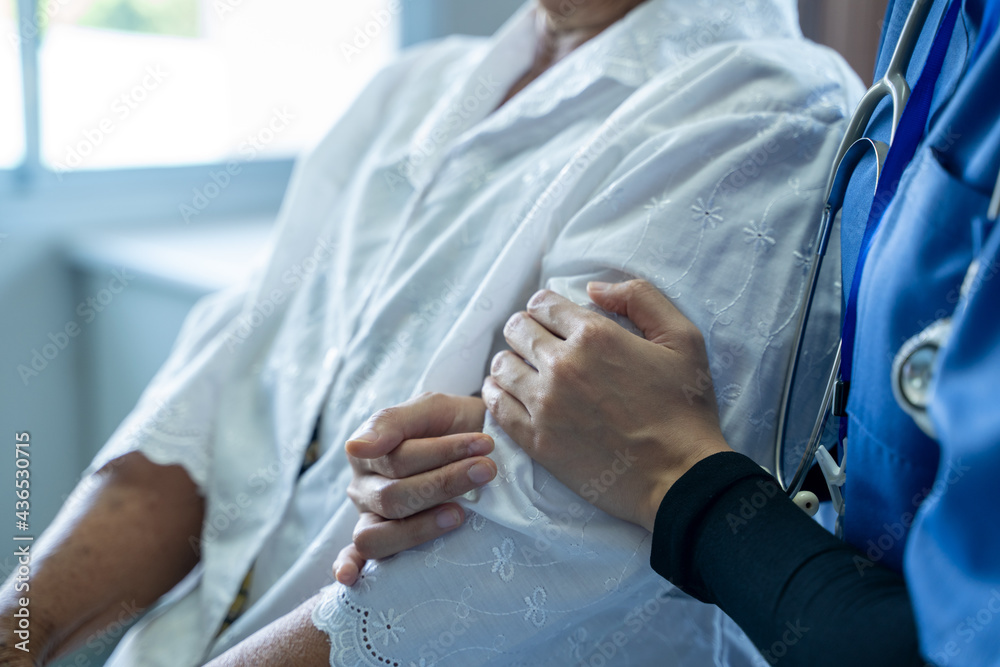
{"x": 655, "y": 37}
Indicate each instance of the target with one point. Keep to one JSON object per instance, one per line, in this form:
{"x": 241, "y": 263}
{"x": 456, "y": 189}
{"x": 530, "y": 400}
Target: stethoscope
{"x": 913, "y": 367}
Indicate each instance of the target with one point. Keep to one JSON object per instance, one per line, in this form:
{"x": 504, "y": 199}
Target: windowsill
{"x": 199, "y": 258}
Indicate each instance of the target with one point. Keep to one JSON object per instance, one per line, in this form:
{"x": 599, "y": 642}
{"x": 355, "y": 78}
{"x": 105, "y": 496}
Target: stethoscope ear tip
{"x": 807, "y": 502}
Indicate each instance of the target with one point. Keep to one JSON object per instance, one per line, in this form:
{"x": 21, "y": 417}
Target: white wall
{"x": 123, "y": 331}
{"x": 36, "y": 298}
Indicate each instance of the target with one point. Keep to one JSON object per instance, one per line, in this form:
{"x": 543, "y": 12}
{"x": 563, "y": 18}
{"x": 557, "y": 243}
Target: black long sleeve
{"x": 725, "y": 533}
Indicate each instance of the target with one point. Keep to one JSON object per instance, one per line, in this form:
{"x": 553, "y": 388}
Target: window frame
{"x": 32, "y": 194}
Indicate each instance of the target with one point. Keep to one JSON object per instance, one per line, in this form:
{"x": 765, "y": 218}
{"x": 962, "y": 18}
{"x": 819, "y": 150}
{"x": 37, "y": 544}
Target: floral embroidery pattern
{"x": 503, "y": 564}
{"x": 655, "y": 205}
{"x": 432, "y": 559}
{"x": 577, "y": 642}
{"x": 758, "y": 234}
{"x": 729, "y": 394}
{"x": 535, "y": 613}
{"x": 462, "y": 609}
{"x": 803, "y": 260}
{"x": 613, "y": 199}
{"x": 708, "y": 216}
{"x": 476, "y": 521}
{"x": 763, "y": 419}
{"x": 354, "y": 635}
{"x": 366, "y": 580}
{"x": 389, "y": 629}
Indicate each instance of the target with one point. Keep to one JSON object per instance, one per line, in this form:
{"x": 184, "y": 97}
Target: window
{"x": 137, "y": 100}
{"x": 134, "y": 82}
{"x": 11, "y": 101}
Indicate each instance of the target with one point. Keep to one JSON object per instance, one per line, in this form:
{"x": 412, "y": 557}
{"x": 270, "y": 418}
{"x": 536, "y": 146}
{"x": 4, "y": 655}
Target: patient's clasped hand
{"x": 686, "y": 144}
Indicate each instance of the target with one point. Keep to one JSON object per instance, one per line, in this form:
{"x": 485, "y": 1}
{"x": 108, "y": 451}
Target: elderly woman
{"x": 683, "y": 142}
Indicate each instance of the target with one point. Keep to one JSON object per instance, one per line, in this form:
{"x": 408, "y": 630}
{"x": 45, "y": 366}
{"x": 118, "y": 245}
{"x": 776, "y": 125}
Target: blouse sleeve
{"x": 174, "y": 420}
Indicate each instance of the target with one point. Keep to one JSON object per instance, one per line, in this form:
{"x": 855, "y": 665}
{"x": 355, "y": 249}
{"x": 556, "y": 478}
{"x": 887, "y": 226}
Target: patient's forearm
{"x": 290, "y": 640}
{"x": 122, "y": 540}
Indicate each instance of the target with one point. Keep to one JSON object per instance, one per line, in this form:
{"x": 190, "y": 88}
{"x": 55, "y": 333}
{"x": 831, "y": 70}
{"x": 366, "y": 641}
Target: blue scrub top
{"x": 930, "y": 507}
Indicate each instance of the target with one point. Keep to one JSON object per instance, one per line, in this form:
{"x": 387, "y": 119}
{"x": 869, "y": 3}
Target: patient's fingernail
{"x": 480, "y": 473}
{"x": 479, "y": 447}
{"x": 598, "y": 287}
{"x": 347, "y": 574}
{"x": 366, "y": 435}
{"x": 448, "y": 518}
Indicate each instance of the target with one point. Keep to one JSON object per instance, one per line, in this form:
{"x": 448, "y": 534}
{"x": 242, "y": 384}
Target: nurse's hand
{"x": 616, "y": 418}
{"x": 409, "y": 461}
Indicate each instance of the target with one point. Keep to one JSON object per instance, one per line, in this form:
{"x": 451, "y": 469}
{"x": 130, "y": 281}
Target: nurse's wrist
{"x": 683, "y": 510}
{"x": 669, "y": 477}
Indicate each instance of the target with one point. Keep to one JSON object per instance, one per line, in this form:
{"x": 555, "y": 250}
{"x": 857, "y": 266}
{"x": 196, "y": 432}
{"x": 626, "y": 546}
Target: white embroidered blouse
{"x": 688, "y": 144}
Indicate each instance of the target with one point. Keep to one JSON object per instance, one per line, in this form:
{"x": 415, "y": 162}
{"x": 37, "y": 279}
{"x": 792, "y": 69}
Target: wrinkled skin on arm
{"x": 121, "y": 542}
{"x": 290, "y": 640}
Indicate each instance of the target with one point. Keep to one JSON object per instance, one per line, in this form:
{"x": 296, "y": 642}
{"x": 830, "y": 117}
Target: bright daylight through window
{"x": 167, "y": 82}
{"x": 11, "y": 102}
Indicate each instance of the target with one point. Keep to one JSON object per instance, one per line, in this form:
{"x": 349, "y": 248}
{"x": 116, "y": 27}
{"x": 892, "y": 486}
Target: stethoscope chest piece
{"x": 913, "y": 372}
